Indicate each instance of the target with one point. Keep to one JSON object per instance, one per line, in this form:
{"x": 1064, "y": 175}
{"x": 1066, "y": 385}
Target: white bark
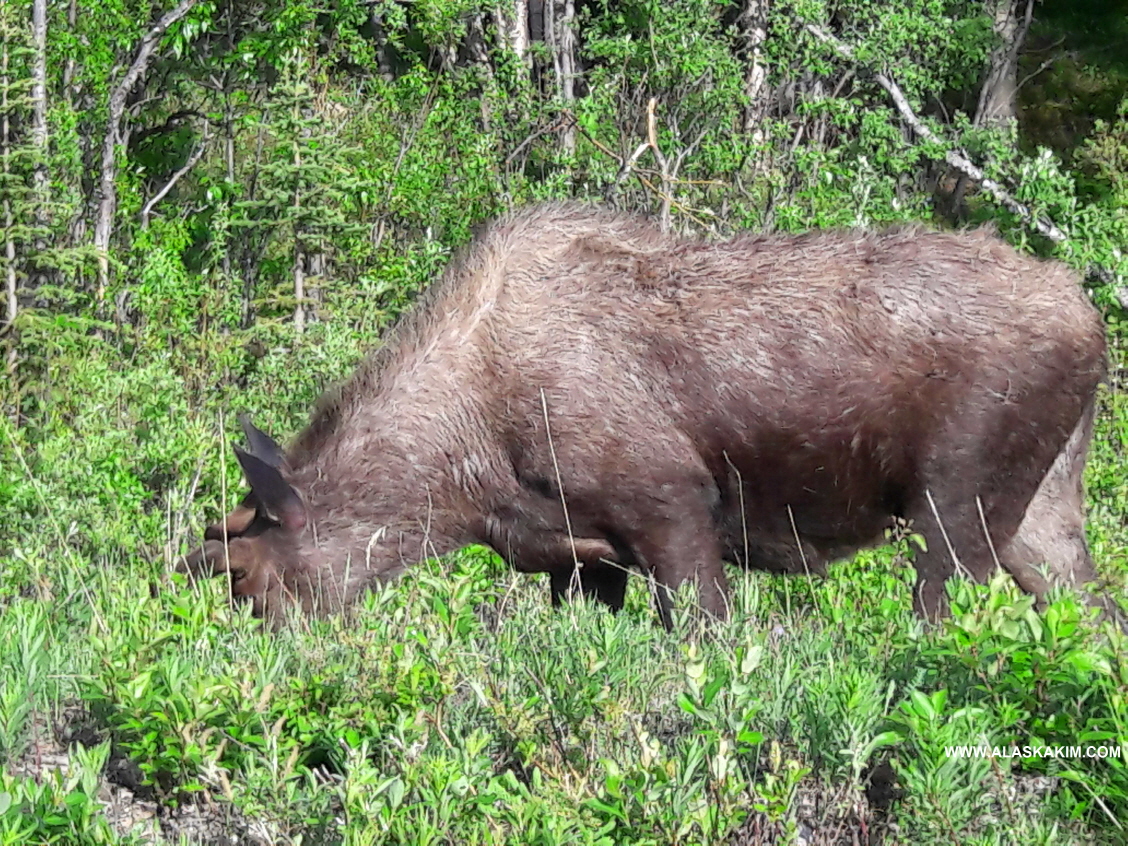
{"x": 754, "y": 33}
{"x": 560, "y": 16}
{"x": 998, "y": 96}
{"x": 10, "y": 287}
{"x": 107, "y": 190}
{"x": 299, "y": 247}
{"x": 69, "y": 65}
{"x": 513, "y": 27}
{"x": 299, "y": 288}
{"x": 197, "y": 154}
{"x": 39, "y": 96}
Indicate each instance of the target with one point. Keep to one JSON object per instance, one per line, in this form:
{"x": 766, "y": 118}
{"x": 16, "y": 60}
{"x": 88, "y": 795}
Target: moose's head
{"x": 259, "y": 543}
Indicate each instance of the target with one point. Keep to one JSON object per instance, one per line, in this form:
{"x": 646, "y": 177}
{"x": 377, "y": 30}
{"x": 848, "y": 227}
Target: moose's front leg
{"x": 670, "y": 529}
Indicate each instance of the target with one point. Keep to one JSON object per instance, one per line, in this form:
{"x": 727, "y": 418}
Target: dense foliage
{"x": 218, "y": 206}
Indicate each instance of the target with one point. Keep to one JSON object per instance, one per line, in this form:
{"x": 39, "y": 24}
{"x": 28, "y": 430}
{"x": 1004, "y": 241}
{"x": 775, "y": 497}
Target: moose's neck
{"x": 385, "y": 495}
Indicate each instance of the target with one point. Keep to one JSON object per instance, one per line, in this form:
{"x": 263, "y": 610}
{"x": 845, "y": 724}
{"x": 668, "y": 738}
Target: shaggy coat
{"x": 586, "y": 394}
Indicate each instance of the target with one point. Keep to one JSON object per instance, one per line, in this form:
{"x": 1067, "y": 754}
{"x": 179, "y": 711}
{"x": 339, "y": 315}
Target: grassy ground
{"x": 456, "y": 707}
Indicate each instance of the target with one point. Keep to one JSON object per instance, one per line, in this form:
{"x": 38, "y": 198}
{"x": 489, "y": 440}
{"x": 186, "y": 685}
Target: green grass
{"x": 455, "y": 706}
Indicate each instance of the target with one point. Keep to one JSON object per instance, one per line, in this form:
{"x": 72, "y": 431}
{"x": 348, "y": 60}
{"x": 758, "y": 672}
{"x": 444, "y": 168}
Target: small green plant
{"x": 62, "y": 808}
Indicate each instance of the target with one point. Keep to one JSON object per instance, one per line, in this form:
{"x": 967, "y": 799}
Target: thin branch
{"x": 957, "y": 160}
{"x": 666, "y": 193}
{"x": 538, "y": 133}
{"x": 559, "y": 482}
{"x": 144, "y": 55}
{"x": 1033, "y": 74}
{"x": 1027, "y": 20}
{"x": 197, "y": 154}
{"x": 629, "y": 163}
{"x": 627, "y": 167}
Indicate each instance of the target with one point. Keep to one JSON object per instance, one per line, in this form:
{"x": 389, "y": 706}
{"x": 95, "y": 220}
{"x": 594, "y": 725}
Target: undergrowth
{"x": 455, "y": 706}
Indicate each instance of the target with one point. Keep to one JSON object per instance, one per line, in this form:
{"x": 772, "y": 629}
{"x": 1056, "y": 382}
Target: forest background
{"x": 220, "y": 205}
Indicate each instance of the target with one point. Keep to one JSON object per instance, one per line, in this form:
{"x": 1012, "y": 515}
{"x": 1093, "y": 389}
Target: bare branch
{"x": 666, "y": 194}
{"x": 629, "y": 163}
{"x": 954, "y": 158}
{"x": 1033, "y": 74}
{"x": 197, "y": 154}
{"x": 538, "y": 133}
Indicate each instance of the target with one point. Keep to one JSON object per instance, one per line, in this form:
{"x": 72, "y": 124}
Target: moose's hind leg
{"x": 972, "y": 502}
{"x": 1049, "y": 547}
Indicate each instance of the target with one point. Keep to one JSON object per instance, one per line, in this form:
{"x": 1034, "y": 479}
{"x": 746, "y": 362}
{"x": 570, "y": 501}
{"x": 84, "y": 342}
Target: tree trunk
{"x": 560, "y": 16}
{"x": 383, "y": 56}
{"x": 107, "y": 189}
{"x": 299, "y": 286}
{"x": 229, "y": 172}
{"x": 317, "y": 265}
{"x": 39, "y": 99}
{"x": 228, "y": 147}
{"x": 952, "y": 157}
{"x": 754, "y": 34}
{"x": 513, "y": 27}
{"x": 11, "y": 290}
{"x": 39, "y": 180}
{"x": 480, "y": 56}
{"x": 69, "y": 65}
{"x": 997, "y": 98}
{"x": 299, "y": 251}
{"x": 535, "y": 16}
{"x": 250, "y": 249}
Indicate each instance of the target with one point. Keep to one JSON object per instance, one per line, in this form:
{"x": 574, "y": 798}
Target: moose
{"x": 590, "y": 396}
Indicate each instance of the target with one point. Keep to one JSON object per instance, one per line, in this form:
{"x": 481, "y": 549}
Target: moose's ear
{"x": 262, "y": 445}
{"x": 273, "y": 493}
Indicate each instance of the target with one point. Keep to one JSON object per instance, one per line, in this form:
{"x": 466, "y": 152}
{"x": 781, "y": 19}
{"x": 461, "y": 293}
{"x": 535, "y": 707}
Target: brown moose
{"x": 586, "y": 394}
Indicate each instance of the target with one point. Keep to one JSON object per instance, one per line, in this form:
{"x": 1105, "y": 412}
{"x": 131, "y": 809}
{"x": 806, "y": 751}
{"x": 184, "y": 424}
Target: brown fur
{"x": 826, "y": 381}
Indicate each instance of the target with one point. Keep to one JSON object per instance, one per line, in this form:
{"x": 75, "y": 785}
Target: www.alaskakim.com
{"x": 1034, "y": 751}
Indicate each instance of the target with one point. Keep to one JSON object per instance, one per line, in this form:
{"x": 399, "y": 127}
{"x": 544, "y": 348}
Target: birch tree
{"x": 560, "y": 16}
{"x": 1011, "y": 21}
{"x": 754, "y": 34}
{"x": 117, "y": 134}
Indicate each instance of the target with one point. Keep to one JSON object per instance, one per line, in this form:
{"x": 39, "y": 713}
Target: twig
{"x": 177, "y": 528}
{"x": 107, "y": 203}
{"x": 798, "y": 542}
{"x": 539, "y": 133}
{"x": 663, "y": 165}
{"x": 1033, "y": 74}
{"x": 627, "y": 166}
{"x": 629, "y": 163}
{"x": 987, "y": 534}
{"x": 743, "y": 514}
{"x": 667, "y": 197}
{"x": 944, "y": 534}
{"x": 559, "y": 482}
